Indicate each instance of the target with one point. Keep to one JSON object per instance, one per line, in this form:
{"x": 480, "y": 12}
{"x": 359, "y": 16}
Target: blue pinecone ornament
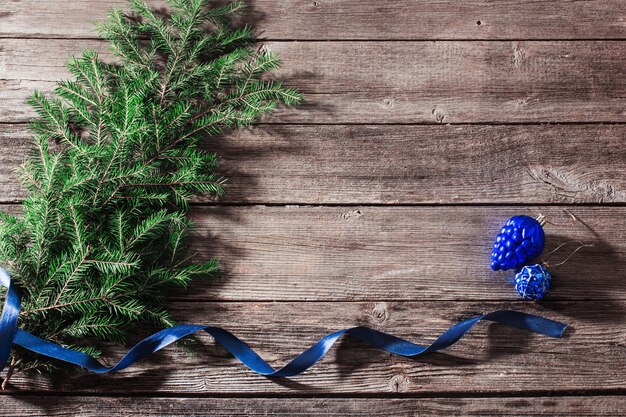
{"x": 520, "y": 240}
{"x": 532, "y": 282}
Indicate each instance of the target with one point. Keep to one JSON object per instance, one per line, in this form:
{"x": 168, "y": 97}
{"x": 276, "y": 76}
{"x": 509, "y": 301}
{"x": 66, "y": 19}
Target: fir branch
{"x": 116, "y": 157}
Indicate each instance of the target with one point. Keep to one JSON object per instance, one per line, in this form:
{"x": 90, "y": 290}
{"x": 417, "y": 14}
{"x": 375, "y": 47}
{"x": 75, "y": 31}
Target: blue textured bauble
{"x": 520, "y": 240}
{"x": 532, "y": 282}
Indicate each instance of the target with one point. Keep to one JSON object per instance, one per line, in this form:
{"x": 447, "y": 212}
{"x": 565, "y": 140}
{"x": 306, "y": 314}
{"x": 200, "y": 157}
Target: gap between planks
{"x": 163, "y": 395}
{"x": 321, "y": 406}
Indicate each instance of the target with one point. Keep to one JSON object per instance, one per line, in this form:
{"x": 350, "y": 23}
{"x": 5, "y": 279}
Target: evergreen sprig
{"x": 116, "y": 159}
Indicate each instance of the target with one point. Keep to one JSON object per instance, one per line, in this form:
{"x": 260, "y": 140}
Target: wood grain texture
{"x": 491, "y": 359}
{"x": 575, "y": 406}
{"x": 356, "y": 19}
{"x": 398, "y": 82}
{"x": 293, "y": 273}
{"x": 303, "y": 164}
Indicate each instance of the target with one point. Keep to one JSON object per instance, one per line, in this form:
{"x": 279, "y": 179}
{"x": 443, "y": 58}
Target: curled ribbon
{"x": 10, "y": 334}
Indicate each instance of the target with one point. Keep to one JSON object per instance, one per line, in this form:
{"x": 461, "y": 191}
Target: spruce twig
{"x": 117, "y": 155}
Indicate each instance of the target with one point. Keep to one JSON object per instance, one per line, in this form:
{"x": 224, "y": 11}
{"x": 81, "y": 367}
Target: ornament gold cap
{"x": 541, "y": 219}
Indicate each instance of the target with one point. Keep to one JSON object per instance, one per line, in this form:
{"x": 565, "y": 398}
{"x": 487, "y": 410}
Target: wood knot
{"x": 520, "y": 102}
{"x": 519, "y": 56}
{"x": 439, "y": 114}
{"x": 399, "y": 383}
{"x": 352, "y": 214}
{"x": 574, "y": 185}
{"x": 380, "y": 313}
{"x": 388, "y": 103}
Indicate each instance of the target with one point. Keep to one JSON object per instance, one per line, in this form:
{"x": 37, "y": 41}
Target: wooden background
{"x": 426, "y": 124}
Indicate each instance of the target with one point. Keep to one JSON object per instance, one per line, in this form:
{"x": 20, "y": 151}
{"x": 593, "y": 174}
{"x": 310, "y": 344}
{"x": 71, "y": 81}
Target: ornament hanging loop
{"x": 581, "y": 245}
{"x": 542, "y": 219}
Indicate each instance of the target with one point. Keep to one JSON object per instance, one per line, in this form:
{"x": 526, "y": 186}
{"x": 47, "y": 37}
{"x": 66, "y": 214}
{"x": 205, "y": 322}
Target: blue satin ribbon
{"x": 9, "y": 334}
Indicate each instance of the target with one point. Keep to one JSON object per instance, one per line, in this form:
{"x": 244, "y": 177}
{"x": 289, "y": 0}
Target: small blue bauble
{"x": 532, "y": 282}
{"x": 520, "y": 240}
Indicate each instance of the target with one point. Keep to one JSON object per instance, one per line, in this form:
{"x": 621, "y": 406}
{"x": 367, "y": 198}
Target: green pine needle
{"x": 117, "y": 155}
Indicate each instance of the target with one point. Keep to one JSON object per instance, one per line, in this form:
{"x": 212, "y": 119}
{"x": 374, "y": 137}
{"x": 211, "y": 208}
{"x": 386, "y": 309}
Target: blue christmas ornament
{"x": 520, "y": 240}
{"x": 533, "y": 282}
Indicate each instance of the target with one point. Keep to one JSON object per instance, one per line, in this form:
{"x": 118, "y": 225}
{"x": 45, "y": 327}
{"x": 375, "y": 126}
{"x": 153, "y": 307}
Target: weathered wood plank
{"x": 396, "y": 253}
{"x": 400, "y": 82}
{"x": 303, "y": 164}
{"x": 356, "y": 19}
{"x": 144, "y": 406}
{"x": 491, "y": 359}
